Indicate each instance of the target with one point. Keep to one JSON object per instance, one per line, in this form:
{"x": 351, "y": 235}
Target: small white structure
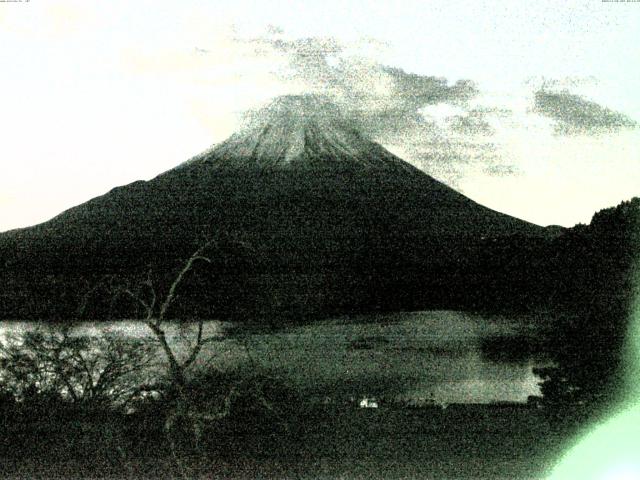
{"x": 368, "y": 403}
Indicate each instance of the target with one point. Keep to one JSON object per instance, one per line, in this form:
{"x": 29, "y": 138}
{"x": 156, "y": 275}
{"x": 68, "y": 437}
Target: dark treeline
{"x": 595, "y": 286}
{"x": 583, "y": 283}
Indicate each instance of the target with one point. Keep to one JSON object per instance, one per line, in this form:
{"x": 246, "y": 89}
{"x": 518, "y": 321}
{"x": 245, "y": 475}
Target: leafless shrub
{"x": 92, "y": 370}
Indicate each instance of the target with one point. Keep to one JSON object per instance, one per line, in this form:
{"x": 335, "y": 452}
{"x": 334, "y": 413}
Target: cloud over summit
{"x": 430, "y": 118}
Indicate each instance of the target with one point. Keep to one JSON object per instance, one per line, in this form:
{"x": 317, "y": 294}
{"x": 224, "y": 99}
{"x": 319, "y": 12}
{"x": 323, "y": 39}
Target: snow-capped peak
{"x": 300, "y": 130}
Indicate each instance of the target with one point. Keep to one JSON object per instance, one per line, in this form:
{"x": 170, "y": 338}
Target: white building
{"x": 368, "y": 403}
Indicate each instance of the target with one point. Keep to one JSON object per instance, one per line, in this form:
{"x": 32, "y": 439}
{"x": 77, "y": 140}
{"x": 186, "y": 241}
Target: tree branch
{"x": 148, "y": 309}
{"x": 198, "y": 255}
{"x": 175, "y": 368}
{"x": 196, "y": 348}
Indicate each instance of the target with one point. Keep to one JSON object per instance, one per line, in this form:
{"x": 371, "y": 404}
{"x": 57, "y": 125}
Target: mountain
{"x": 310, "y": 217}
{"x": 301, "y": 132}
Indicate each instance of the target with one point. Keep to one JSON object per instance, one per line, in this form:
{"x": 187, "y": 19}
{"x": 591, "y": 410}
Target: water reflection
{"x": 405, "y": 355}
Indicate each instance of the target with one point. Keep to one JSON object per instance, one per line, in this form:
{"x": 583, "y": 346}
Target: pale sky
{"x": 541, "y": 124}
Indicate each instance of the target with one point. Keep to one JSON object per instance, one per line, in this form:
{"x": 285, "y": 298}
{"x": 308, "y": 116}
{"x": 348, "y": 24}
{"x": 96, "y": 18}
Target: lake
{"x": 409, "y": 356}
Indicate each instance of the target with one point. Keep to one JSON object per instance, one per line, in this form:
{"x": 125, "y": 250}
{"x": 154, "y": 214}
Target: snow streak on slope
{"x": 300, "y": 131}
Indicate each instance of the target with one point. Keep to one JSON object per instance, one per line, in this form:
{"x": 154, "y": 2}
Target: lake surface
{"x": 411, "y": 356}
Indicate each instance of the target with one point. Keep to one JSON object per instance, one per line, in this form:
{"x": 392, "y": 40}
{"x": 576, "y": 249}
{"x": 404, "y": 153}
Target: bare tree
{"x": 186, "y": 416}
{"x": 155, "y": 318}
{"x": 183, "y": 414}
{"x": 99, "y": 370}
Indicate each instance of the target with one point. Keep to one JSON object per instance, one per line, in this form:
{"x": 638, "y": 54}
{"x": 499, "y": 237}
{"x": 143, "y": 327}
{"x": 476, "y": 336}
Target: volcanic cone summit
{"x": 296, "y": 131}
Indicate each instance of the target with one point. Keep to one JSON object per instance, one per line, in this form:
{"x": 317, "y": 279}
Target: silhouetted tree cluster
{"x": 593, "y": 293}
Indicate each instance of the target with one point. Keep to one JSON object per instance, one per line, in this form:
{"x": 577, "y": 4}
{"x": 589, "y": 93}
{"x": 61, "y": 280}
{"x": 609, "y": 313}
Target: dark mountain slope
{"x": 327, "y": 220}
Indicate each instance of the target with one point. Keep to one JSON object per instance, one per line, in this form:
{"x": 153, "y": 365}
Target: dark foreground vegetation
{"x": 105, "y": 406}
{"x": 310, "y": 441}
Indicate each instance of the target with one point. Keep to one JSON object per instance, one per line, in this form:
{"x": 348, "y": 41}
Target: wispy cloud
{"x": 450, "y": 128}
{"x": 473, "y": 122}
{"x": 435, "y": 121}
{"x": 575, "y": 115}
